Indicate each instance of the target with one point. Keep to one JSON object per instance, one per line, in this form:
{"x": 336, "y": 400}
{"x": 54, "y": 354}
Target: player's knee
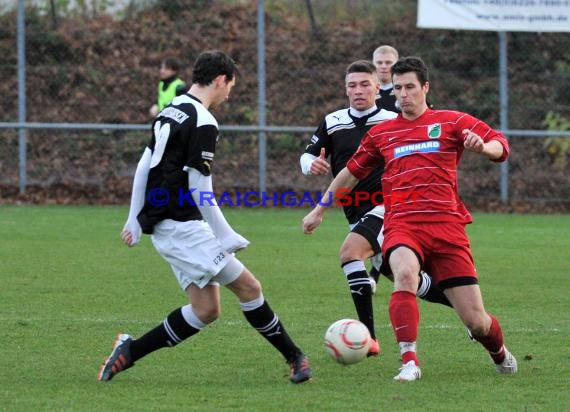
{"x": 254, "y": 288}
{"x": 208, "y": 314}
{"x": 212, "y": 316}
{"x": 246, "y": 287}
{"x": 249, "y": 290}
{"x": 478, "y": 324}
{"x": 348, "y": 253}
{"x": 406, "y": 279}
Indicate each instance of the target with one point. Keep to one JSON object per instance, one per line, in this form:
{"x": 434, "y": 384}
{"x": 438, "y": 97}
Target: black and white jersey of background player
{"x": 339, "y": 133}
{"x": 184, "y": 137}
{"x": 386, "y": 99}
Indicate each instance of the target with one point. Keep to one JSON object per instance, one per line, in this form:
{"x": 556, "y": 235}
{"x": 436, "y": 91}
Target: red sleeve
{"x": 366, "y": 158}
{"x": 487, "y": 133}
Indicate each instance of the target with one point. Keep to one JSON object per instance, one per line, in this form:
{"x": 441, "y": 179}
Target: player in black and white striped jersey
{"x": 193, "y": 236}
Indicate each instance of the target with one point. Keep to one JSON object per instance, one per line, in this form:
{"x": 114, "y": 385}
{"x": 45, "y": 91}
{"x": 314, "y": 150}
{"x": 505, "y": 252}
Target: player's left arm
{"x": 231, "y": 240}
{"x": 198, "y": 168}
{"x": 492, "y": 149}
{"x": 480, "y": 138}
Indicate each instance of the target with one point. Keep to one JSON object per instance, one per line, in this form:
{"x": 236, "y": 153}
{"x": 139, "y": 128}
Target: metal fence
{"x": 89, "y": 83}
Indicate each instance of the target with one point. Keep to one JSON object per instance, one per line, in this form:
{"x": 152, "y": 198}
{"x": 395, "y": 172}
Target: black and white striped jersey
{"x": 340, "y": 134}
{"x": 386, "y": 99}
{"x": 184, "y": 136}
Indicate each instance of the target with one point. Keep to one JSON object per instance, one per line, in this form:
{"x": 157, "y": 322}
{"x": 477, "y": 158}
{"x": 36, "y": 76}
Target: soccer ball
{"x": 347, "y": 341}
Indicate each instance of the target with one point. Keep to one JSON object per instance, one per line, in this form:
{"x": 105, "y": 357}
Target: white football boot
{"x": 409, "y": 372}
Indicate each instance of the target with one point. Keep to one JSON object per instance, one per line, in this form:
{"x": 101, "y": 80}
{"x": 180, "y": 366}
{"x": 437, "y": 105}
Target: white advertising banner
{"x": 495, "y": 15}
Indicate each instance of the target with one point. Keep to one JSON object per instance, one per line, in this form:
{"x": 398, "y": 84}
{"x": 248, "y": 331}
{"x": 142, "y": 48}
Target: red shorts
{"x": 443, "y": 249}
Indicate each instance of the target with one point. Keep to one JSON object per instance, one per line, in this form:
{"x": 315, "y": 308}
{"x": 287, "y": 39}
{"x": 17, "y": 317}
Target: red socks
{"x": 405, "y": 318}
{"x": 493, "y": 342}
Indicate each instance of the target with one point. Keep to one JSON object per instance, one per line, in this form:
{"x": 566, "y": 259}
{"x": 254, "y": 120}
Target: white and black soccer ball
{"x": 347, "y": 341}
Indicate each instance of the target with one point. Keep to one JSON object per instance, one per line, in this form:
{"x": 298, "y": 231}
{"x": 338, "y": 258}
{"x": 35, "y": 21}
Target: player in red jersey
{"x": 425, "y": 219}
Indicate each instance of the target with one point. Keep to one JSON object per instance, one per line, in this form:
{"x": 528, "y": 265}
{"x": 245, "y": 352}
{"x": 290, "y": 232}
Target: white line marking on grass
{"x": 237, "y": 323}
{"x": 455, "y": 326}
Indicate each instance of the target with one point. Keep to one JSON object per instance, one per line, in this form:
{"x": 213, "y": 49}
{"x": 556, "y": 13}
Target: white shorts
{"x": 194, "y": 253}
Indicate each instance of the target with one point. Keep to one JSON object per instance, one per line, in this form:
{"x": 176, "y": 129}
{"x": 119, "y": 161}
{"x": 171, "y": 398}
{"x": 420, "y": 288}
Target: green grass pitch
{"x": 69, "y": 285}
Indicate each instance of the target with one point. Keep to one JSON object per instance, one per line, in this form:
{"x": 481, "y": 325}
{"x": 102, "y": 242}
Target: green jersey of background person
{"x": 169, "y": 86}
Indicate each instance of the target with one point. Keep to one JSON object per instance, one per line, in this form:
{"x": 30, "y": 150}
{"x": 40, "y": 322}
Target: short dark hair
{"x": 361, "y": 66}
{"x": 171, "y": 63}
{"x": 411, "y": 64}
{"x": 211, "y": 64}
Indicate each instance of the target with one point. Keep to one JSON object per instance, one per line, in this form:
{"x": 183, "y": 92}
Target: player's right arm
{"x": 313, "y": 161}
{"x": 131, "y": 232}
{"x": 312, "y": 165}
{"x": 344, "y": 180}
{"x": 359, "y": 166}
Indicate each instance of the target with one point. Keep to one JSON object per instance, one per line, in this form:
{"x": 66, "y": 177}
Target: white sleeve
{"x": 387, "y": 114}
{"x": 306, "y": 162}
{"x": 230, "y": 240}
{"x": 137, "y": 196}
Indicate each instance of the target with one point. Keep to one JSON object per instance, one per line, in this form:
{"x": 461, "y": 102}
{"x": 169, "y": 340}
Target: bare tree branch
{"x": 314, "y": 27}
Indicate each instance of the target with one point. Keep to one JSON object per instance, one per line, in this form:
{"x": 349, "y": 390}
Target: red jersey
{"x": 421, "y": 157}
